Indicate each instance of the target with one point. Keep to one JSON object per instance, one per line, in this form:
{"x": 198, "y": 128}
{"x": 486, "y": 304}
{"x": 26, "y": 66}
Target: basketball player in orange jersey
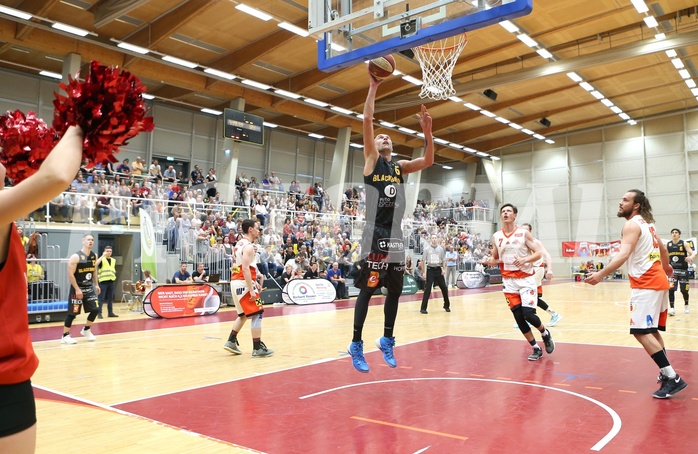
{"x": 246, "y": 290}
{"x": 516, "y": 251}
{"x": 648, "y": 269}
{"x": 18, "y": 361}
{"x": 382, "y": 247}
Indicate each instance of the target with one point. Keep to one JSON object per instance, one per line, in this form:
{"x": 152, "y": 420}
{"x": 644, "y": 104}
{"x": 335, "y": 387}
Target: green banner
{"x": 148, "y": 257}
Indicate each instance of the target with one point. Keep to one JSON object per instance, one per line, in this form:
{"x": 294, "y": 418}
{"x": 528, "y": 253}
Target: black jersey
{"x": 385, "y": 194}
{"x": 677, "y": 255}
{"x": 85, "y": 270}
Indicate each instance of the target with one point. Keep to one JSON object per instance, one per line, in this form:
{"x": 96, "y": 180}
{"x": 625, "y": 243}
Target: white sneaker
{"x": 556, "y": 318}
{"x": 672, "y": 311}
{"x": 686, "y": 309}
{"x": 68, "y": 340}
{"x": 88, "y": 334}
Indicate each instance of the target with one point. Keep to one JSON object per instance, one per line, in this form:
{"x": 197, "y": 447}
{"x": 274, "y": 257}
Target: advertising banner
{"x": 174, "y": 301}
{"x": 148, "y": 257}
{"x": 472, "y": 279}
{"x": 308, "y": 291}
{"x": 590, "y": 248}
{"x": 409, "y": 285}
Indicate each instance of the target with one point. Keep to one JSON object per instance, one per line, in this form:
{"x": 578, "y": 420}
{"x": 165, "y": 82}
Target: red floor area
{"x": 452, "y": 394}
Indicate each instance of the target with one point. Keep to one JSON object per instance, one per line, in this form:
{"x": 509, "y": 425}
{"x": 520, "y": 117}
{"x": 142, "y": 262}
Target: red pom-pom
{"x": 109, "y": 108}
{"x": 25, "y": 141}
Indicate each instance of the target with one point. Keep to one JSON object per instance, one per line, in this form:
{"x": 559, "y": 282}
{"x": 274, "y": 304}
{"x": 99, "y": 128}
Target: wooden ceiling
{"x": 606, "y": 42}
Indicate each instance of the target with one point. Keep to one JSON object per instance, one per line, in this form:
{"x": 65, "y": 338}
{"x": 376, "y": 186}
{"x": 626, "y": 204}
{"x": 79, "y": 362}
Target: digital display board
{"x": 243, "y": 127}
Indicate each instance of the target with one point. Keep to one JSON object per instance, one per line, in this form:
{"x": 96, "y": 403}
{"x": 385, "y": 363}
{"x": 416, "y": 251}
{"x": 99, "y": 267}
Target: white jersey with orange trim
{"x": 645, "y": 262}
{"x": 510, "y": 247}
{"x": 237, "y": 262}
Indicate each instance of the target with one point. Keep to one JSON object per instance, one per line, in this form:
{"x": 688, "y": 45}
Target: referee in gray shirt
{"x": 434, "y": 263}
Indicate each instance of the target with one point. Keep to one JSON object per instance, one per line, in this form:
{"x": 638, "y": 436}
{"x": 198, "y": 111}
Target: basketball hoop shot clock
{"x": 243, "y": 127}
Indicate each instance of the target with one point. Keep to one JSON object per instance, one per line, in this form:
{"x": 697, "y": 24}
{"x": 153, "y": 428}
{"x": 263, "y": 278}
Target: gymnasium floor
{"x": 463, "y": 383}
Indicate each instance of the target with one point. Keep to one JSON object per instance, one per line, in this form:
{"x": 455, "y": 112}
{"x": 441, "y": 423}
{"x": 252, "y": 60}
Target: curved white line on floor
{"x": 597, "y": 447}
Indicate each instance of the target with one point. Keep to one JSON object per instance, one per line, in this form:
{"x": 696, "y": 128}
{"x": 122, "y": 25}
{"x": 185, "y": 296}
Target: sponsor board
{"x": 175, "y": 301}
{"x": 308, "y": 291}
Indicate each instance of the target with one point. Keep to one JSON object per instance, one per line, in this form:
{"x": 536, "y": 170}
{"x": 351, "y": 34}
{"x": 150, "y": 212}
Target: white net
{"x": 437, "y": 60}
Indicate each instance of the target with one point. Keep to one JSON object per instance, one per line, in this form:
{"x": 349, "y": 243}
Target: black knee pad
{"x": 520, "y": 320}
{"x": 69, "y": 320}
{"x": 684, "y": 292}
{"x": 529, "y": 313}
{"x": 92, "y": 316}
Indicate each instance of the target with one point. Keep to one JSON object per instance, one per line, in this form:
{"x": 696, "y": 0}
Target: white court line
{"x": 597, "y": 447}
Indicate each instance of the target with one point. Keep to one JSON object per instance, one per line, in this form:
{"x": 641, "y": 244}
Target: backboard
{"x": 352, "y": 31}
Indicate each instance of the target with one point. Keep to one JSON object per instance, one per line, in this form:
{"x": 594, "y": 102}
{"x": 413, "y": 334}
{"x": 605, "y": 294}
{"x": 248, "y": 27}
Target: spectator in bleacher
{"x": 211, "y": 180}
{"x": 138, "y": 166}
{"x": 154, "y": 169}
{"x": 335, "y": 276}
{"x": 22, "y": 236}
{"x": 170, "y": 175}
{"x": 295, "y": 189}
{"x": 451, "y": 259}
{"x": 281, "y": 185}
{"x": 409, "y": 266}
{"x": 266, "y": 182}
{"x": 254, "y": 184}
{"x": 288, "y": 275}
{"x": 35, "y": 272}
{"x": 72, "y": 204}
{"x": 261, "y": 212}
{"x": 124, "y": 167}
{"x": 419, "y": 275}
{"x": 57, "y": 207}
{"x": 312, "y": 272}
{"x": 275, "y": 181}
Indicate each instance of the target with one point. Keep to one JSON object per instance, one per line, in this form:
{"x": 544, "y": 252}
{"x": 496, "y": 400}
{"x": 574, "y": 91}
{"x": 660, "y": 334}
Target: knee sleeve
{"x": 92, "y": 316}
{"x": 69, "y": 320}
{"x": 529, "y": 313}
{"x": 542, "y": 304}
{"x": 684, "y": 292}
{"x": 256, "y": 321}
{"x": 520, "y": 320}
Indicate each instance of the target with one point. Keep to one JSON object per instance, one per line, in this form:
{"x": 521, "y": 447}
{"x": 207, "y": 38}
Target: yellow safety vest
{"x": 107, "y": 270}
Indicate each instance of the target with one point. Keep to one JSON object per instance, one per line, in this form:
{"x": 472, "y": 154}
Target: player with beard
{"x": 383, "y": 250}
{"x": 648, "y": 269}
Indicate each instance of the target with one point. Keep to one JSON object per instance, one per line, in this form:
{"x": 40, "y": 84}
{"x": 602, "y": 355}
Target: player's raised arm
{"x": 416, "y": 164}
{"x": 370, "y": 149}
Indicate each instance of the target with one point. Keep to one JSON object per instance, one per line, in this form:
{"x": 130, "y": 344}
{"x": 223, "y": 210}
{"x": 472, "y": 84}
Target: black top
{"x": 677, "y": 255}
{"x": 385, "y": 194}
{"x": 85, "y": 270}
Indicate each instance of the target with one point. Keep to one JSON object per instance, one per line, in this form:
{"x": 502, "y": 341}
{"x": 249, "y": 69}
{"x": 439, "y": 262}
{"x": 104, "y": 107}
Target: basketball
{"x": 382, "y": 67}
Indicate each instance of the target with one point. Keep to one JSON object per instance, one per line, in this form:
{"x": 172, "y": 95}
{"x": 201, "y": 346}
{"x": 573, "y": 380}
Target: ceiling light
{"x": 70, "y": 29}
{"x": 406, "y": 130}
{"x": 455, "y": 99}
{"x": 147, "y": 96}
{"x": 471, "y": 106}
{"x": 516, "y": 126}
{"x": 356, "y": 145}
{"x": 528, "y": 131}
{"x": 293, "y": 29}
{"x": 678, "y": 64}
{"x": 502, "y": 120}
{"x": 597, "y": 94}
{"x": 387, "y": 124}
{"x": 412, "y": 80}
{"x": 455, "y": 145}
{"x": 660, "y": 36}
{"x": 694, "y": 91}
{"x": 270, "y": 125}
{"x": 624, "y": 116}
{"x": 447, "y": 167}
{"x": 639, "y": 6}
{"x": 132, "y": 48}
{"x": 632, "y": 122}
{"x": 539, "y": 137}
{"x": 253, "y": 12}
{"x": 315, "y": 102}
{"x": 527, "y": 40}
{"x": 316, "y": 136}
{"x": 278, "y": 91}
{"x": 360, "y": 116}
{"x": 487, "y": 113}
{"x": 480, "y": 153}
{"x": 544, "y": 53}
{"x": 671, "y": 53}
{"x": 342, "y": 110}
{"x": 15, "y": 13}
{"x": 254, "y": 83}
{"x": 690, "y": 83}
{"x": 211, "y": 111}
{"x": 617, "y": 109}
{"x": 509, "y": 26}
{"x": 180, "y": 62}
{"x": 224, "y": 75}
{"x": 651, "y": 21}
{"x": 495, "y": 158}
{"x": 684, "y": 73}
{"x": 587, "y": 86}
{"x": 607, "y": 102}
{"x": 51, "y": 74}
{"x": 550, "y": 141}
{"x": 574, "y": 76}
{"x": 441, "y": 141}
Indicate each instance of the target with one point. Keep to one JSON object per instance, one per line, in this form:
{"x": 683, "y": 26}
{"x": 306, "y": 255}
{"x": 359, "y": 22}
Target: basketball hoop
{"x": 437, "y": 60}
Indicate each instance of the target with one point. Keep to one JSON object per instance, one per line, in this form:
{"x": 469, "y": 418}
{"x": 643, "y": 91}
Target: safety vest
{"x": 107, "y": 270}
